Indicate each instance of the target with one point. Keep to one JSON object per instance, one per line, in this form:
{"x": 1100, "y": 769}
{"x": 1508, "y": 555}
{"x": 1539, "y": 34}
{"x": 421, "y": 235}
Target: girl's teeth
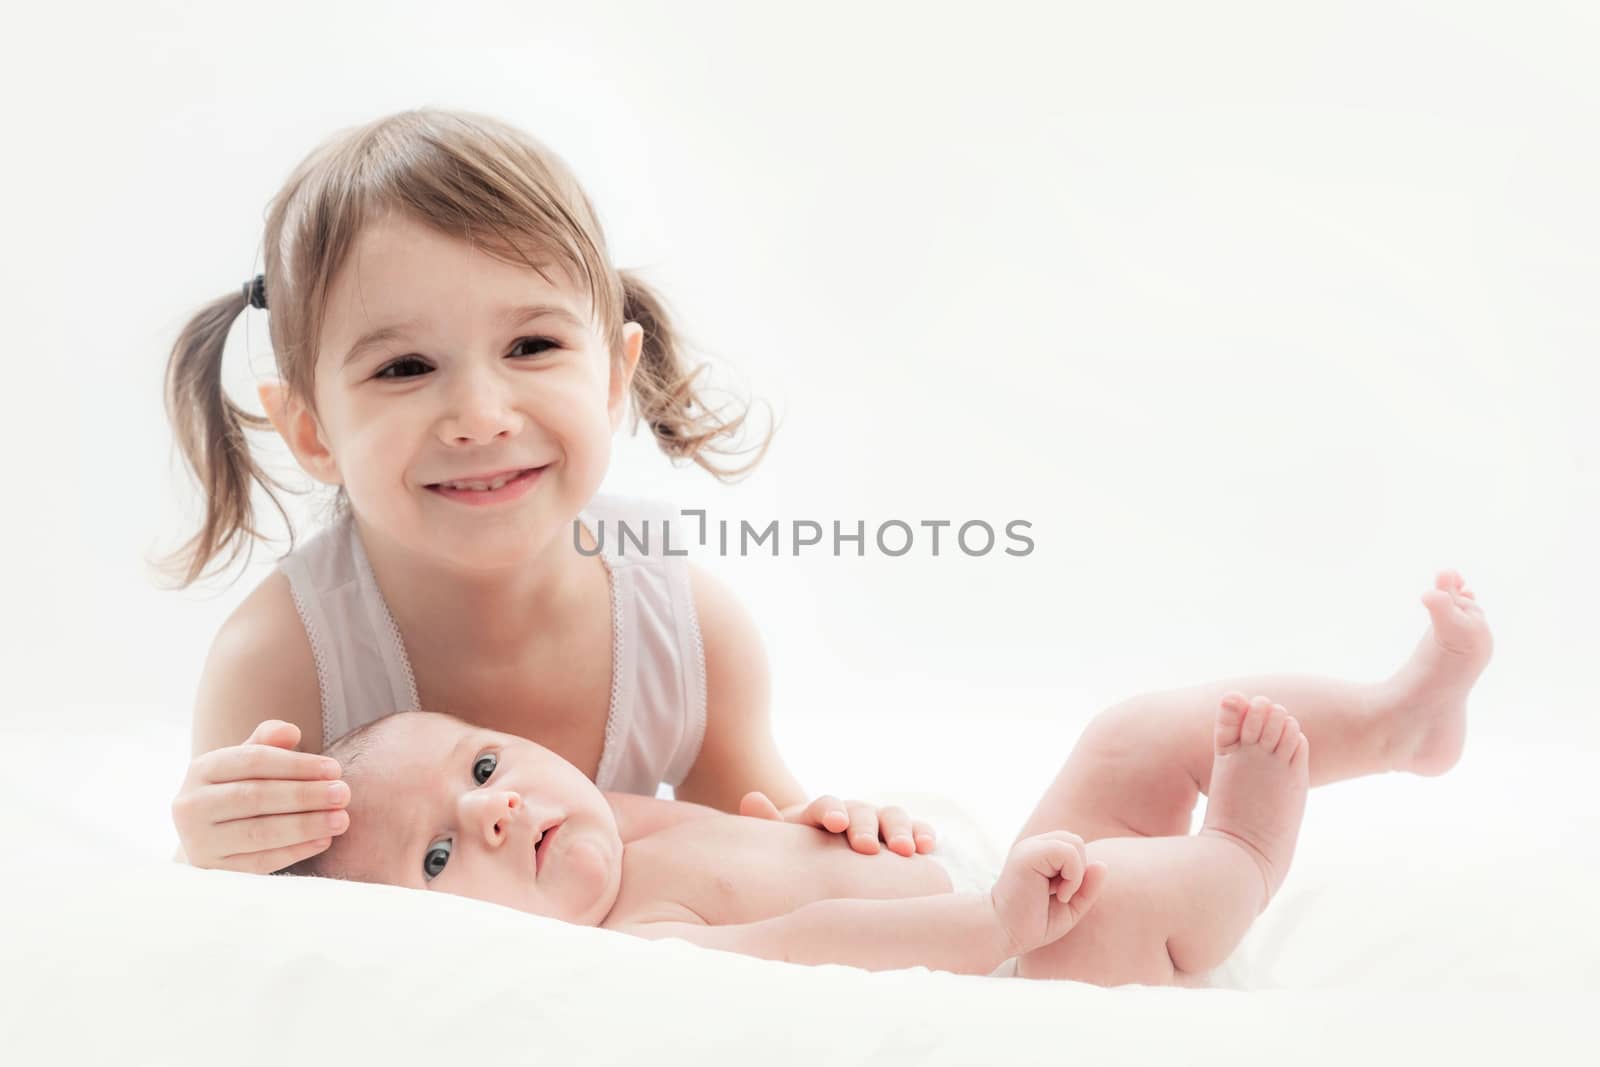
{"x": 481, "y": 486}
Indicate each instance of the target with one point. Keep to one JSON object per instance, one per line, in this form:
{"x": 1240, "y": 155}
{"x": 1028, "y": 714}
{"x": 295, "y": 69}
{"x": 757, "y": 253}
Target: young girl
{"x": 455, "y": 351}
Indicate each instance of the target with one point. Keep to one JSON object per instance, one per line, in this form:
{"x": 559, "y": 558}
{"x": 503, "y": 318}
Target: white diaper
{"x": 972, "y": 866}
{"x": 970, "y": 869}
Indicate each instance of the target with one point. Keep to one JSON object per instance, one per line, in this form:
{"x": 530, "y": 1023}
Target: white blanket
{"x": 114, "y": 954}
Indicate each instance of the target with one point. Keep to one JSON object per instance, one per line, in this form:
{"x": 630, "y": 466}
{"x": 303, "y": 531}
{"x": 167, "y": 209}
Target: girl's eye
{"x": 489, "y": 758}
{"x": 544, "y": 341}
{"x": 438, "y": 855}
{"x": 408, "y": 361}
{"x": 545, "y": 344}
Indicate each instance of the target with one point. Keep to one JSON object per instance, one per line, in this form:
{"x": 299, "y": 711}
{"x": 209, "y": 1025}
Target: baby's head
{"x": 442, "y": 307}
{"x": 437, "y": 803}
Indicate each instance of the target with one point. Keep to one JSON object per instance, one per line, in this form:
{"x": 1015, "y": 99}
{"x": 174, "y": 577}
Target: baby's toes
{"x": 1302, "y": 752}
{"x": 1255, "y": 720}
{"x": 1230, "y": 717}
{"x": 1445, "y": 609}
{"x": 1289, "y": 739}
{"x": 1272, "y": 731}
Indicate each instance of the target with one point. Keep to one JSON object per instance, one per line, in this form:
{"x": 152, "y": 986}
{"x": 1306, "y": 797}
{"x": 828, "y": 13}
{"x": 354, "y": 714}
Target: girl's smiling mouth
{"x": 494, "y": 488}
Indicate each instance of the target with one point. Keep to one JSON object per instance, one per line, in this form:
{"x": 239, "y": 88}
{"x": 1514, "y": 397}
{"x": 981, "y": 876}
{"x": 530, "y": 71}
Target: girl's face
{"x": 439, "y": 363}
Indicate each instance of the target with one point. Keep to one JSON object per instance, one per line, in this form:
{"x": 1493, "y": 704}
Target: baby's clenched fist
{"x": 1045, "y": 887}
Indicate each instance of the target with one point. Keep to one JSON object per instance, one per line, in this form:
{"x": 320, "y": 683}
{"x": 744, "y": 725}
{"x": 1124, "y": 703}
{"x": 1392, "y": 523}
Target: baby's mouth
{"x": 540, "y": 848}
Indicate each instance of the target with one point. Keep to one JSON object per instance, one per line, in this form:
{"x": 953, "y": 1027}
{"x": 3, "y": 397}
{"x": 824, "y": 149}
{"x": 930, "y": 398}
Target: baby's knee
{"x": 1114, "y": 944}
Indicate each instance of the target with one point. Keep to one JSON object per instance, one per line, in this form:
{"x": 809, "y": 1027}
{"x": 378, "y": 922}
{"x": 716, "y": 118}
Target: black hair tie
{"x": 255, "y": 291}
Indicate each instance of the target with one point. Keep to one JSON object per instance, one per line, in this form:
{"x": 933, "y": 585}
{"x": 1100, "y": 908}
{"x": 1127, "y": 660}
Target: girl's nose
{"x": 494, "y": 813}
{"x": 480, "y": 411}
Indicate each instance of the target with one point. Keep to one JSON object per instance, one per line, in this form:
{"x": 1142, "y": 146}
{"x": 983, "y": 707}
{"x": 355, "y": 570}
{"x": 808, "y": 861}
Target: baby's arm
{"x": 957, "y": 932}
{"x": 1044, "y": 890}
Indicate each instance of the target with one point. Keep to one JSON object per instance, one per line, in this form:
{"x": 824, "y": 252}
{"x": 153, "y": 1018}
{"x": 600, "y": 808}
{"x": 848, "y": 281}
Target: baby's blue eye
{"x": 436, "y": 858}
{"x": 439, "y": 852}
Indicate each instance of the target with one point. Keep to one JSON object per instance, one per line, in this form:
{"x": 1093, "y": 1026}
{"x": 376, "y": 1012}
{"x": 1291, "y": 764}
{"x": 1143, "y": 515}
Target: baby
{"x": 439, "y": 804}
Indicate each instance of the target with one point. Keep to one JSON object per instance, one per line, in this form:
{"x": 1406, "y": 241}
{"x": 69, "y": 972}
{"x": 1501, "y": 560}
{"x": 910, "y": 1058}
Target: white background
{"x": 1259, "y": 313}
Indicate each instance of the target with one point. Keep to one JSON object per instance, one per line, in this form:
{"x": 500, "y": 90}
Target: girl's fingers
{"x": 757, "y": 805}
{"x": 246, "y": 800}
{"x": 268, "y": 833}
{"x": 863, "y": 833}
{"x": 828, "y": 812}
{"x": 894, "y": 826}
{"x": 274, "y": 732}
{"x": 239, "y": 762}
{"x": 275, "y": 859}
{"x": 923, "y": 834}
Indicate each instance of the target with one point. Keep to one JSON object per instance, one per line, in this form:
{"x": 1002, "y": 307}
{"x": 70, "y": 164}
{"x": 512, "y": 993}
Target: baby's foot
{"x": 1258, "y": 783}
{"x": 1424, "y": 704}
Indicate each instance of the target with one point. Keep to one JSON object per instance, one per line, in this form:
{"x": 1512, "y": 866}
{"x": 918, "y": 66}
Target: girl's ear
{"x": 622, "y": 376}
{"x": 270, "y": 392}
{"x": 299, "y": 430}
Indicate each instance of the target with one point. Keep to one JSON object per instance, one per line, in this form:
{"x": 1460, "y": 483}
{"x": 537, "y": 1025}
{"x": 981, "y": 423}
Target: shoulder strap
{"x": 362, "y": 669}
{"x": 659, "y": 713}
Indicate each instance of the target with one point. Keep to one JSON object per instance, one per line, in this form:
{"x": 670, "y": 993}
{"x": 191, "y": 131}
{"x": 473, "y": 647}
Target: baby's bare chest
{"x": 729, "y": 869}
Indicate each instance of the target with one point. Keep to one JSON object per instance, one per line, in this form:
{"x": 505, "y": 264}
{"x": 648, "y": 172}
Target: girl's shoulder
{"x": 260, "y": 666}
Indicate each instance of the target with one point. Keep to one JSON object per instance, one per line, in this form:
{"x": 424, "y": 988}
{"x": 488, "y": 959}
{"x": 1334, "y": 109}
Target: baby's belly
{"x": 730, "y": 869}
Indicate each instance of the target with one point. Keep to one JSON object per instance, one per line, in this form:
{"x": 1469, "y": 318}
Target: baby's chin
{"x": 590, "y": 879}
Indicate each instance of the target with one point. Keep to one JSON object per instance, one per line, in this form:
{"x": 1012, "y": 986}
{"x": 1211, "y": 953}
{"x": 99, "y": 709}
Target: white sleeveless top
{"x": 658, "y": 676}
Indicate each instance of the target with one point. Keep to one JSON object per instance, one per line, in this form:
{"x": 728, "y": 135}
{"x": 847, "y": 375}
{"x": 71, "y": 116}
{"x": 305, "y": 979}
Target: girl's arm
{"x": 738, "y": 754}
{"x": 739, "y": 769}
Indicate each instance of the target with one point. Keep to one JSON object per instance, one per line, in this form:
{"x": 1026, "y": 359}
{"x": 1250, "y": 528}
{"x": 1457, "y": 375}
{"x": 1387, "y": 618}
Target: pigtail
{"x": 664, "y": 393}
{"x": 210, "y": 429}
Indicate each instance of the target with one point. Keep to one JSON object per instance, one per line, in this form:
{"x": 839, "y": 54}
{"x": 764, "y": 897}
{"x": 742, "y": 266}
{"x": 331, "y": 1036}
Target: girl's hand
{"x": 863, "y": 824}
{"x": 1046, "y": 886}
{"x": 260, "y": 806}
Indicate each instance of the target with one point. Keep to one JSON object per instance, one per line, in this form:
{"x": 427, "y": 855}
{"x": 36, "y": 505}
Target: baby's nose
{"x": 498, "y": 812}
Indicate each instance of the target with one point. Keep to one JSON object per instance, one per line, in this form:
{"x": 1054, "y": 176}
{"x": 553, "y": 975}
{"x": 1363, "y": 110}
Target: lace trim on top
{"x": 700, "y": 677}
{"x": 612, "y": 751}
{"x": 319, "y": 657}
{"x": 396, "y": 642}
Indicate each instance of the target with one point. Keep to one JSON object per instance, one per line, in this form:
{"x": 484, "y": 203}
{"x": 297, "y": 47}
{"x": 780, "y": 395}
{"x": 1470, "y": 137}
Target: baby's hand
{"x": 1046, "y": 886}
{"x": 862, "y": 824}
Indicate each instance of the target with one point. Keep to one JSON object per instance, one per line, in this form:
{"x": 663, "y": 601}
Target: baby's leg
{"x": 1140, "y": 766}
{"x": 1174, "y": 907}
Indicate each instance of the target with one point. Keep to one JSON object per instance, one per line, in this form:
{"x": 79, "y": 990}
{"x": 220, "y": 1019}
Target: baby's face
{"x": 448, "y": 807}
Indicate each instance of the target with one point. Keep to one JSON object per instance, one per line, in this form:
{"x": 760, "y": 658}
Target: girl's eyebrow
{"x": 510, "y": 318}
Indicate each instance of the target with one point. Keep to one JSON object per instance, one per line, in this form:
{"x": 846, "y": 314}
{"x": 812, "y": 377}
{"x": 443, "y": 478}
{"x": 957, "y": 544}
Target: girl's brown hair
{"x": 467, "y": 175}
